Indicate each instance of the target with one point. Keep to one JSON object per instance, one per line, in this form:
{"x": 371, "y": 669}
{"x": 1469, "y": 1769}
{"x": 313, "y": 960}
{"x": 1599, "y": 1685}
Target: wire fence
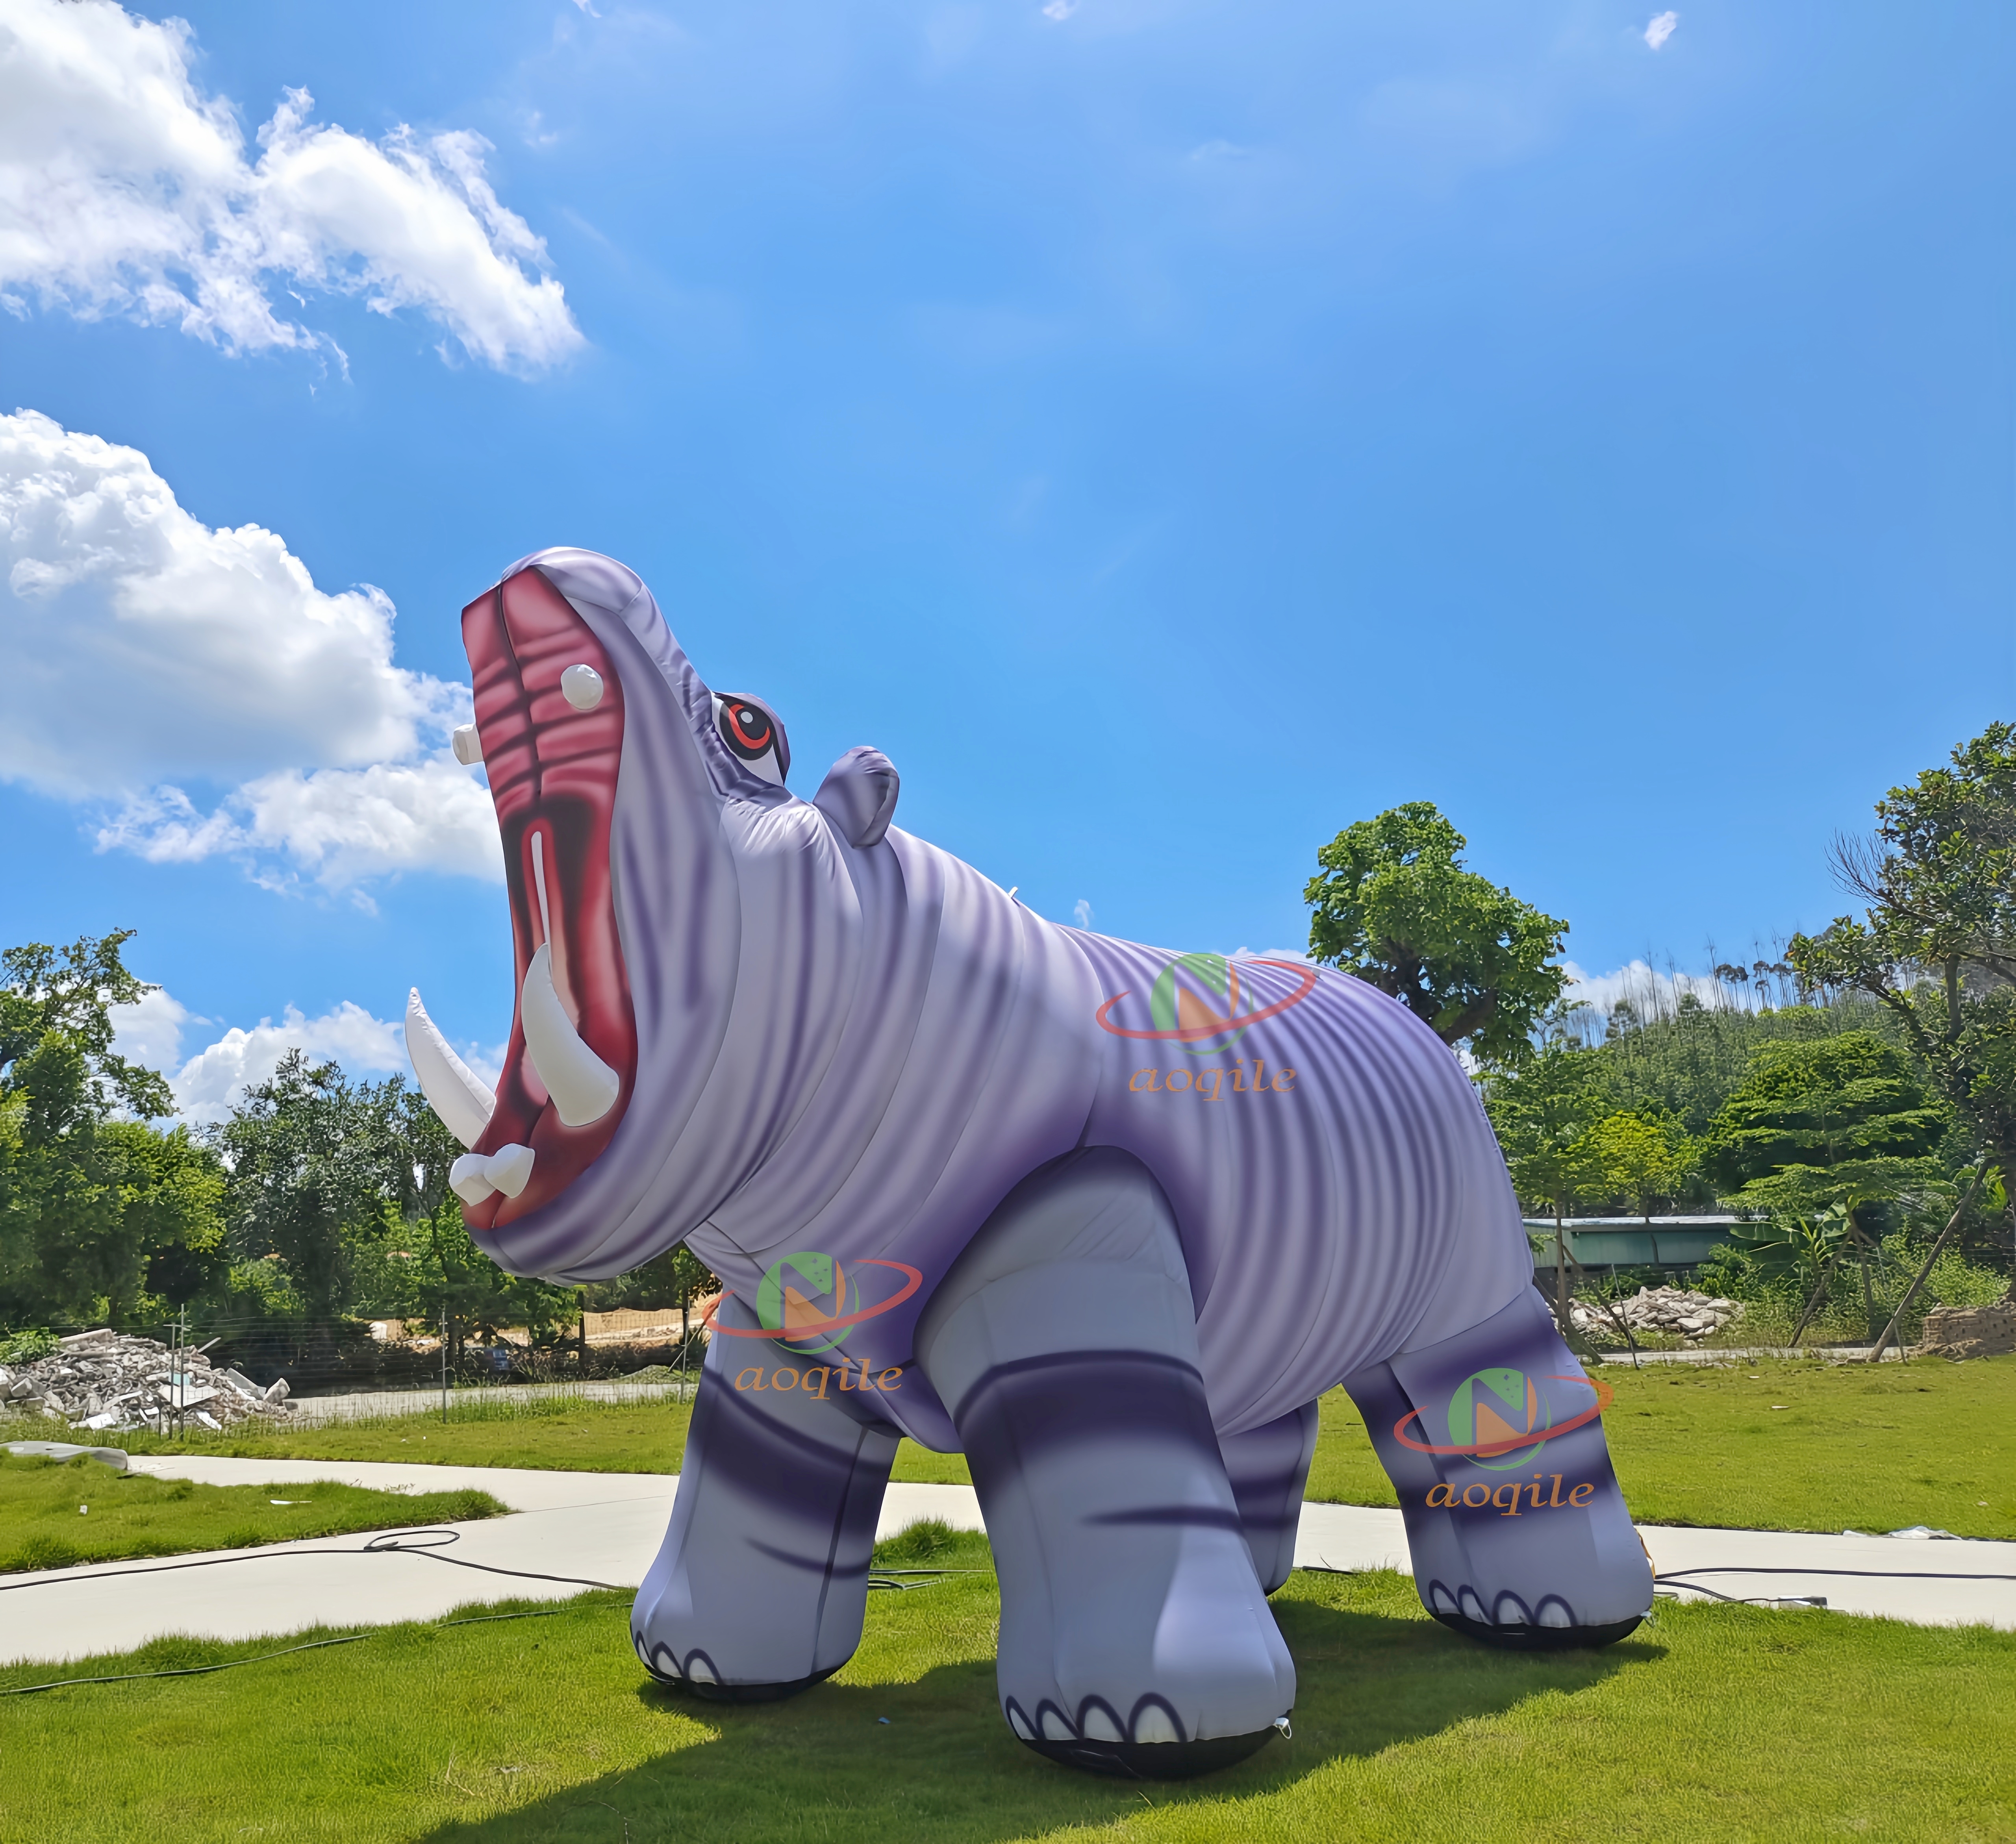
{"x": 359, "y": 1368}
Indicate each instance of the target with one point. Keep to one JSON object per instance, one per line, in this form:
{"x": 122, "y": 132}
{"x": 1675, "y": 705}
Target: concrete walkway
{"x": 606, "y": 1527}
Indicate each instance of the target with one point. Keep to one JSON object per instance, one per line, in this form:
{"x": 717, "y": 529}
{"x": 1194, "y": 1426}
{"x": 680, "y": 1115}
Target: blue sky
{"x": 1171, "y": 431}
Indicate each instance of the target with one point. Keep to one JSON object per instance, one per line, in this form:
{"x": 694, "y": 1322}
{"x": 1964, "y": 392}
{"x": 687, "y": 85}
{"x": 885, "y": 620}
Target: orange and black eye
{"x": 751, "y": 729}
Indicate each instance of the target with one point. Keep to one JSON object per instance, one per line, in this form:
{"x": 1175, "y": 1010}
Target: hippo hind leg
{"x": 761, "y": 1587}
{"x": 1268, "y": 1467}
{"x": 1135, "y": 1635}
{"x": 1519, "y": 1535}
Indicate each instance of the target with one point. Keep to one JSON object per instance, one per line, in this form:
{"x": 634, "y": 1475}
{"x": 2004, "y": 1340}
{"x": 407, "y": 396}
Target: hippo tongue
{"x": 572, "y": 1059}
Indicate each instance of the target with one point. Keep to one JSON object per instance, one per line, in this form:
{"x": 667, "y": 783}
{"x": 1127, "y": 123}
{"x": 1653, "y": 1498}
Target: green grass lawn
{"x": 1713, "y": 1723}
{"x": 55, "y": 1514}
{"x": 1854, "y": 1446}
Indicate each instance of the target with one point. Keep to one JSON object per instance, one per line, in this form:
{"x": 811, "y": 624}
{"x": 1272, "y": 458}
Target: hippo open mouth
{"x": 549, "y": 716}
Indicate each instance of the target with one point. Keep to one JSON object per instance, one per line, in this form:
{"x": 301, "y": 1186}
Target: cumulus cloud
{"x": 124, "y": 189}
{"x": 208, "y": 1084}
{"x": 150, "y": 1031}
{"x": 337, "y": 825}
{"x": 1659, "y": 28}
{"x": 146, "y": 649}
{"x": 1648, "y": 989}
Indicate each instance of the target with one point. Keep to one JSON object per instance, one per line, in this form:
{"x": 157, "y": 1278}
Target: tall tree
{"x": 92, "y": 1204}
{"x": 1839, "y": 1120}
{"x": 1640, "y": 1157}
{"x": 312, "y": 1157}
{"x": 1395, "y": 907}
{"x": 1542, "y": 1112}
{"x": 1937, "y": 945}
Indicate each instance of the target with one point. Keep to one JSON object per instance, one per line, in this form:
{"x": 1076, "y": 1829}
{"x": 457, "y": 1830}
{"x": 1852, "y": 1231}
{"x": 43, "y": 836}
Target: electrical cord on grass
{"x": 1678, "y": 1578}
{"x": 58, "y": 1684}
{"x": 387, "y": 1542}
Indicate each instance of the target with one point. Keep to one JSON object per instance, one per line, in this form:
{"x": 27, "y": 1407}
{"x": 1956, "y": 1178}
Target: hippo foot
{"x": 1519, "y": 1637}
{"x": 1153, "y": 1760}
{"x": 738, "y": 1693}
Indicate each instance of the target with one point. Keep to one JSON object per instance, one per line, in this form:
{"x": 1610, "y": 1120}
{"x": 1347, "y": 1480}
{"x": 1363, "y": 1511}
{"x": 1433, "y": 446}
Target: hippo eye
{"x": 753, "y": 735}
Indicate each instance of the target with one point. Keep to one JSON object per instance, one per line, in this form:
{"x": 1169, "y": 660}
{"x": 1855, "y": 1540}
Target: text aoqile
{"x": 1164, "y": 1082}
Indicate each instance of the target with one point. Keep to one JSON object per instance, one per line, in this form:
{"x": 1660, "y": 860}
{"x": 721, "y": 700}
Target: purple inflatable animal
{"x": 1107, "y": 1219}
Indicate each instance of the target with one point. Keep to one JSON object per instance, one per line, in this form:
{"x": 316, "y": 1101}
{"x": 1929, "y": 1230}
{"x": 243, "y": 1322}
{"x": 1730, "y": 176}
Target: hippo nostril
{"x": 582, "y": 687}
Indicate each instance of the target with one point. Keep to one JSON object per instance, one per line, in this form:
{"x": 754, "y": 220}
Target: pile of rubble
{"x": 113, "y": 1380}
{"x": 1656, "y": 1309}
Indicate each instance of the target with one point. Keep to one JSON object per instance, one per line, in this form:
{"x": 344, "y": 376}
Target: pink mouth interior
{"x": 553, "y": 775}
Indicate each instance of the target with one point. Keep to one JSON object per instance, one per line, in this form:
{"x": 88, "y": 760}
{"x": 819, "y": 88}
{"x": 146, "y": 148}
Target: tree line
{"x": 320, "y": 1200}
{"x": 1841, "y": 1119}
{"x": 1841, "y": 1096}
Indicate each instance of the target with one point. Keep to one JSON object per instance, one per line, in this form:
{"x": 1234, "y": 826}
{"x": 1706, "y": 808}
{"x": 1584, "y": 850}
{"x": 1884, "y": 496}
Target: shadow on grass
{"x": 933, "y": 1760}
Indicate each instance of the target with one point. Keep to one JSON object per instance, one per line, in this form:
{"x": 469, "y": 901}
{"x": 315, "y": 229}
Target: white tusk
{"x": 583, "y": 1087}
{"x": 465, "y": 1179}
{"x": 468, "y": 746}
{"x": 454, "y": 1091}
{"x": 509, "y": 1168}
{"x": 582, "y": 687}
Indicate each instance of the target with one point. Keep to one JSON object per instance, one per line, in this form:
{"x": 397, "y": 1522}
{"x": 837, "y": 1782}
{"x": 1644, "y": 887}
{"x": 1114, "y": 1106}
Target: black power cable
{"x": 389, "y": 1543}
{"x": 1678, "y": 1578}
{"x": 58, "y": 1684}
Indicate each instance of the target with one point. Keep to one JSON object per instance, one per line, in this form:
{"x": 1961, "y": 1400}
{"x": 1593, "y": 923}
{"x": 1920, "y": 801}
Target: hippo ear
{"x": 858, "y": 795}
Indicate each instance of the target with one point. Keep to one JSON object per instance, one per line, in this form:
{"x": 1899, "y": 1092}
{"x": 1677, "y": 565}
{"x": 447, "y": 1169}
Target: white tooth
{"x": 583, "y": 1087}
{"x": 582, "y": 687}
{"x": 454, "y": 1091}
{"x": 468, "y": 746}
{"x": 509, "y": 1168}
{"x": 465, "y": 1179}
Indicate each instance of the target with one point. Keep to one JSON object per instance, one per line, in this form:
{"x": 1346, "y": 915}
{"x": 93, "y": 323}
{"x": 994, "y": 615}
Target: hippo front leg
{"x": 1136, "y": 1636}
{"x": 761, "y": 1584}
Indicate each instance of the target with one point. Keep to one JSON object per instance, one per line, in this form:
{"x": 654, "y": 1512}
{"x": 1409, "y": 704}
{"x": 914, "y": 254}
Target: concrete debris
{"x": 115, "y": 1380}
{"x": 63, "y": 1450}
{"x": 1676, "y": 1310}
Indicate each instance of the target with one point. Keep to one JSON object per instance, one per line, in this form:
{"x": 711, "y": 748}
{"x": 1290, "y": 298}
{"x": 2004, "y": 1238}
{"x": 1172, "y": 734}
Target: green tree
{"x": 1813, "y": 1123}
{"x": 1838, "y": 1127}
{"x": 1542, "y": 1112}
{"x": 1641, "y": 1157}
{"x": 412, "y": 1255}
{"x": 1395, "y": 907}
{"x": 95, "y": 1210}
{"x": 313, "y": 1157}
{"x": 1937, "y": 944}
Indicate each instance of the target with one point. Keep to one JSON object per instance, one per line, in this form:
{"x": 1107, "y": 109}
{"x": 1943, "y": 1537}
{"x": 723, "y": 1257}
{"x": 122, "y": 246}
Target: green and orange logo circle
{"x": 1500, "y": 1418}
{"x": 808, "y": 1301}
{"x": 1201, "y": 1001}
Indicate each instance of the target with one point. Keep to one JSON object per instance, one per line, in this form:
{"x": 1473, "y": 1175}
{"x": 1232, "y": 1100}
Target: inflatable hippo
{"x": 1106, "y": 1219}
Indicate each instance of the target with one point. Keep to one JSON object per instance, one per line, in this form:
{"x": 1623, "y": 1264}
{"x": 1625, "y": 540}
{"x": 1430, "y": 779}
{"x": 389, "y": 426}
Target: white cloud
{"x": 124, "y": 189}
{"x": 337, "y": 825}
{"x": 1648, "y": 989}
{"x": 1081, "y": 910}
{"x": 150, "y": 1031}
{"x": 1660, "y": 28}
{"x": 1060, "y": 10}
{"x": 208, "y": 1085}
{"x": 146, "y": 649}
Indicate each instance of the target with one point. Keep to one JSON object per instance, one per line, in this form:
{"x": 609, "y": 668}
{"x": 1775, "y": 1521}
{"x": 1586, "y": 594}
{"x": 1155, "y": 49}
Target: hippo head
{"x": 632, "y": 804}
